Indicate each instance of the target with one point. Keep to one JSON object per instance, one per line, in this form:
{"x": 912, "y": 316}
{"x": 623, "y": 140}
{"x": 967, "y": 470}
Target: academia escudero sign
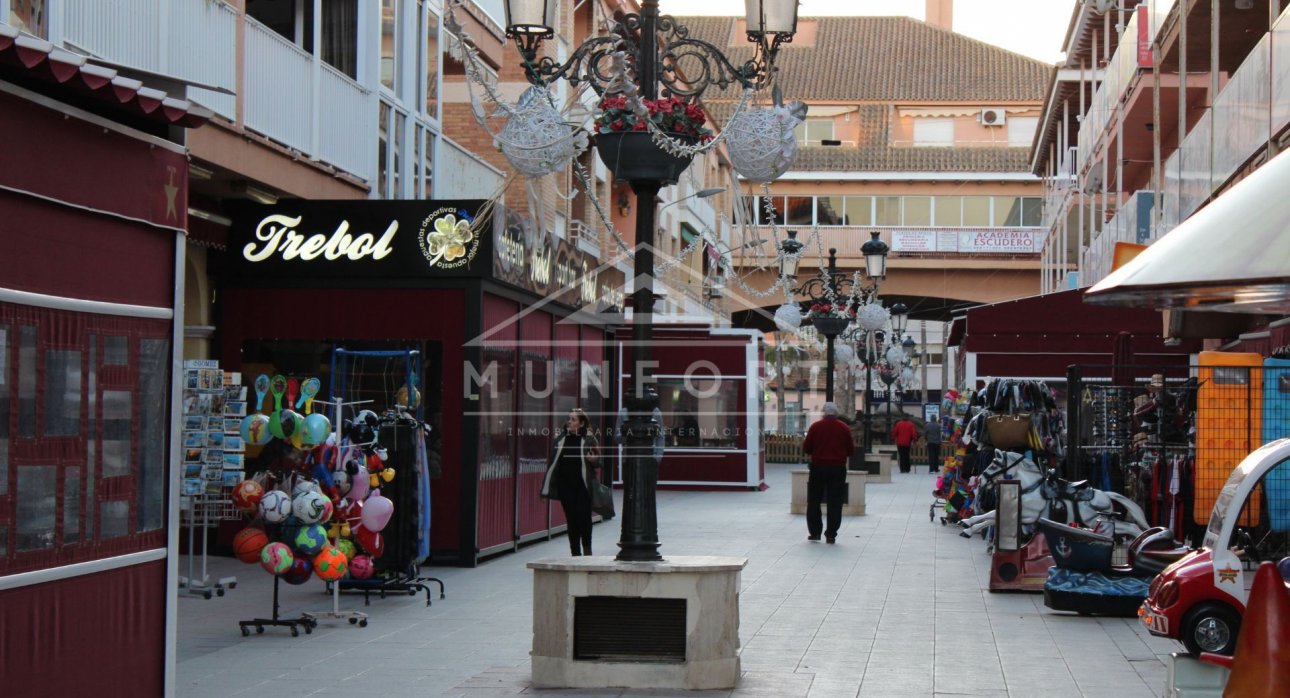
{"x": 982, "y": 241}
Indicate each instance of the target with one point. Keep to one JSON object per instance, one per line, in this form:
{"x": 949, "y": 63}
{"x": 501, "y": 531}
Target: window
{"x": 778, "y": 202}
{"x": 30, "y": 16}
{"x": 62, "y": 393}
{"x": 431, "y": 64}
{"x": 703, "y": 413}
{"x": 886, "y": 210}
{"x": 37, "y": 485}
{"x": 27, "y": 382}
{"x": 1032, "y": 211}
{"x": 918, "y": 210}
{"x": 813, "y": 131}
{"x": 976, "y": 211}
{"x": 154, "y": 384}
{"x": 340, "y": 36}
{"x": 389, "y": 43}
{"x": 1007, "y": 211}
{"x": 949, "y": 211}
{"x": 1021, "y": 130}
{"x": 6, "y": 400}
{"x": 801, "y": 210}
{"x": 829, "y": 210}
{"x": 382, "y": 152}
{"x": 933, "y": 132}
{"x": 859, "y": 210}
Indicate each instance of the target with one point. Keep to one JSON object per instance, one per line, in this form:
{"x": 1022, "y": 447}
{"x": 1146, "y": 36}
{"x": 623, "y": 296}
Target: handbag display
{"x": 602, "y": 499}
{"x": 1009, "y": 431}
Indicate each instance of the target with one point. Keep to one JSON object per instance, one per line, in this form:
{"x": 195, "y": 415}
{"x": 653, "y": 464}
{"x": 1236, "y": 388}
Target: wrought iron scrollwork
{"x": 686, "y": 66}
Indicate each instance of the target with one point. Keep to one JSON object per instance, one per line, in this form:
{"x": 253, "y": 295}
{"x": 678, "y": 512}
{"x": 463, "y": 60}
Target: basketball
{"x": 248, "y": 543}
{"x": 301, "y": 570}
{"x": 311, "y": 539}
{"x": 330, "y": 564}
{"x": 276, "y": 558}
{"x": 247, "y": 494}
{"x": 362, "y": 567}
{"x": 275, "y": 506}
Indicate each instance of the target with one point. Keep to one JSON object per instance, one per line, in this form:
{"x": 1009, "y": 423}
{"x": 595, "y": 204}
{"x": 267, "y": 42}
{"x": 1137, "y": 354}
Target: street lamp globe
{"x": 529, "y": 22}
{"x": 790, "y": 254}
{"x": 899, "y": 316}
{"x": 875, "y": 256}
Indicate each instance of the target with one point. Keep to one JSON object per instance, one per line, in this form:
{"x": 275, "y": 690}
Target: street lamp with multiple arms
{"x": 653, "y": 47}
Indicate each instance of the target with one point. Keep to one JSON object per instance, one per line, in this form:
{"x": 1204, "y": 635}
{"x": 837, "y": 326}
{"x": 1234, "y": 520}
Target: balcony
{"x": 472, "y": 178}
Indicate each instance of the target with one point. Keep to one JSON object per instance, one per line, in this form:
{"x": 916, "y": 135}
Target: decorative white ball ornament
{"x": 536, "y": 139}
{"x": 843, "y": 353}
{"x": 907, "y": 375}
{"x": 872, "y": 316}
{"x": 788, "y": 317}
{"x": 761, "y": 142}
{"x": 895, "y": 356}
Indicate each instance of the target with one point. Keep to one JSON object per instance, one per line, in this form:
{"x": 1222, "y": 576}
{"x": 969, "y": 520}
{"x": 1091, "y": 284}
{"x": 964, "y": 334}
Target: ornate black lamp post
{"x": 836, "y": 288}
{"x": 654, "y": 49}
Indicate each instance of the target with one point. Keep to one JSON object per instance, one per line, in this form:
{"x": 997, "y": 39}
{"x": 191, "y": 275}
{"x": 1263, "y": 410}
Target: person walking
{"x": 568, "y": 479}
{"x": 904, "y": 434}
{"x": 932, "y": 435}
{"x": 828, "y": 443}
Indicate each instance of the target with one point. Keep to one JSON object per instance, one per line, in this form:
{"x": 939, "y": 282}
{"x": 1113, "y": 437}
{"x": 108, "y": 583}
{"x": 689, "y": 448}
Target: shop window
{"x": 701, "y": 412}
{"x": 976, "y": 211}
{"x": 36, "y": 499}
{"x": 535, "y": 418}
{"x": 91, "y": 434}
{"x": 6, "y": 399}
{"x": 26, "y": 382}
{"x": 154, "y": 359}
{"x": 71, "y": 506}
{"x": 859, "y": 210}
{"x": 114, "y": 521}
{"x": 886, "y": 210}
{"x": 117, "y": 415}
{"x": 918, "y": 210}
{"x": 497, "y": 409}
{"x": 116, "y": 351}
{"x": 949, "y": 211}
{"x": 801, "y": 210}
{"x": 62, "y": 393}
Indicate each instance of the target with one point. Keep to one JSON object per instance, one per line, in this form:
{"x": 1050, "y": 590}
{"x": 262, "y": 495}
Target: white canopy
{"x": 1233, "y": 255}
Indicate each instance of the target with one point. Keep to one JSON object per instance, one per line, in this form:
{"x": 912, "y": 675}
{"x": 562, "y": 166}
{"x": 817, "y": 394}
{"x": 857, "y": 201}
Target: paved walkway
{"x": 899, "y": 607}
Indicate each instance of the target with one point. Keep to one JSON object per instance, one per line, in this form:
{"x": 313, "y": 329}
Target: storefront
{"x": 93, "y": 209}
{"x": 484, "y": 310}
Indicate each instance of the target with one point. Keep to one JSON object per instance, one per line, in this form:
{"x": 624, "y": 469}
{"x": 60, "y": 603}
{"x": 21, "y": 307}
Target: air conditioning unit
{"x": 993, "y": 117}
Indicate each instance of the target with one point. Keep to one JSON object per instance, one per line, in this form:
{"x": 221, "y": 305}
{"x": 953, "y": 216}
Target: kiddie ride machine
{"x": 1201, "y": 598}
{"x": 1016, "y": 566}
{"x": 1083, "y": 579}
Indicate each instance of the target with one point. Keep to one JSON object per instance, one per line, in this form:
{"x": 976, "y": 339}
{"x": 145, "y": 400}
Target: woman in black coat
{"x": 568, "y": 479}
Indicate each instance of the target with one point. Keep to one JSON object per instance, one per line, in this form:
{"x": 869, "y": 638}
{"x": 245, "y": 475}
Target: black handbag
{"x": 602, "y": 499}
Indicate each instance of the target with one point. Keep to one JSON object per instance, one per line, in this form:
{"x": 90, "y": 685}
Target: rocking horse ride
{"x": 1044, "y": 495}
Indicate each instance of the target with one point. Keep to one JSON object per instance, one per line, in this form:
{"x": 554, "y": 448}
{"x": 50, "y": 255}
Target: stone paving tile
{"x": 898, "y": 607}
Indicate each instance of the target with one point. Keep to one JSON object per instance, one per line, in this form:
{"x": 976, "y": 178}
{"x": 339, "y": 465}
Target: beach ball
{"x": 309, "y": 507}
{"x": 310, "y": 539}
{"x": 255, "y": 429}
{"x": 276, "y": 558}
{"x": 275, "y": 506}
{"x": 362, "y": 567}
{"x": 300, "y": 572}
{"x": 247, "y": 495}
{"x": 317, "y": 427}
{"x": 285, "y": 422}
{"x": 347, "y": 546}
{"x": 330, "y": 564}
{"x": 248, "y": 543}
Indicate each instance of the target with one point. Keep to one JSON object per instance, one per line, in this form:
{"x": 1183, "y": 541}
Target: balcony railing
{"x": 471, "y": 177}
{"x": 585, "y": 236}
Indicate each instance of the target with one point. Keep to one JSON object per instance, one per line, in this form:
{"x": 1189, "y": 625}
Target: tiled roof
{"x": 888, "y": 59}
{"x": 876, "y": 158}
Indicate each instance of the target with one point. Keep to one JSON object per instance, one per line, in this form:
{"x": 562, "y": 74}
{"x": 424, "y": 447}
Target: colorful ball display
{"x": 303, "y": 486}
{"x": 362, "y": 567}
{"x": 247, "y": 495}
{"x": 248, "y": 543}
{"x": 310, "y": 539}
{"x": 285, "y": 422}
{"x": 317, "y": 427}
{"x": 370, "y": 541}
{"x": 301, "y": 570}
{"x": 330, "y": 564}
{"x": 276, "y": 558}
{"x": 309, "y": 507}
{"x": 255, "y": 429}
{"x": 275, "y": 506}
{"x": 347, "y": 546}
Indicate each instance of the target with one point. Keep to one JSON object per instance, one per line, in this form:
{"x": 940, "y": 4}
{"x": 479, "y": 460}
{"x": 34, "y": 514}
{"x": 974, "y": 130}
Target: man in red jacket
{"x": 828, "y": 443}
{"x": 904, "y": 434}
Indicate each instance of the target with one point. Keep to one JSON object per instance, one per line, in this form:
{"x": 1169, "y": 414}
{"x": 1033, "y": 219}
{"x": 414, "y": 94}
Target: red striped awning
{"x": 44, "y": 60}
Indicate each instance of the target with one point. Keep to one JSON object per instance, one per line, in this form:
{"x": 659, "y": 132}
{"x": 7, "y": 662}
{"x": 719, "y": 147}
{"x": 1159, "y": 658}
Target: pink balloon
{"x": 377, "y": 511}
{"x": 358, "y": 486}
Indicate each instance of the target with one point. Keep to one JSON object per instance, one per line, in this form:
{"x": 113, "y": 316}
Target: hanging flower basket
{"x": 830, "y": 325}
{"x": 633, "y": 156}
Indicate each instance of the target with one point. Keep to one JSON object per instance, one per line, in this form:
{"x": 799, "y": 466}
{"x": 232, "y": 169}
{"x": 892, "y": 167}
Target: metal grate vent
{"x": 616, "y": 628}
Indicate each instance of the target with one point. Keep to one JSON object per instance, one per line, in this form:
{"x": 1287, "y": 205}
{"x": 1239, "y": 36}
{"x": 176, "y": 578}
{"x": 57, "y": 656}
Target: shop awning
{"x": 1232, "y": 256}
{"x": 42, "y": 59}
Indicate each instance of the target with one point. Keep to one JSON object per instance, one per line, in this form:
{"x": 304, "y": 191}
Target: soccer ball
{"x": 276, "y": 558}
{"x": 275, "y": 506}
{"x": 304, "y": 486}
{"x": 310, "y": 539}
{"x": 347, "y": 546}
{"x": 247, "y": 495}
{"x": 309, "y": 507}
{"x": 330, "y": 564}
